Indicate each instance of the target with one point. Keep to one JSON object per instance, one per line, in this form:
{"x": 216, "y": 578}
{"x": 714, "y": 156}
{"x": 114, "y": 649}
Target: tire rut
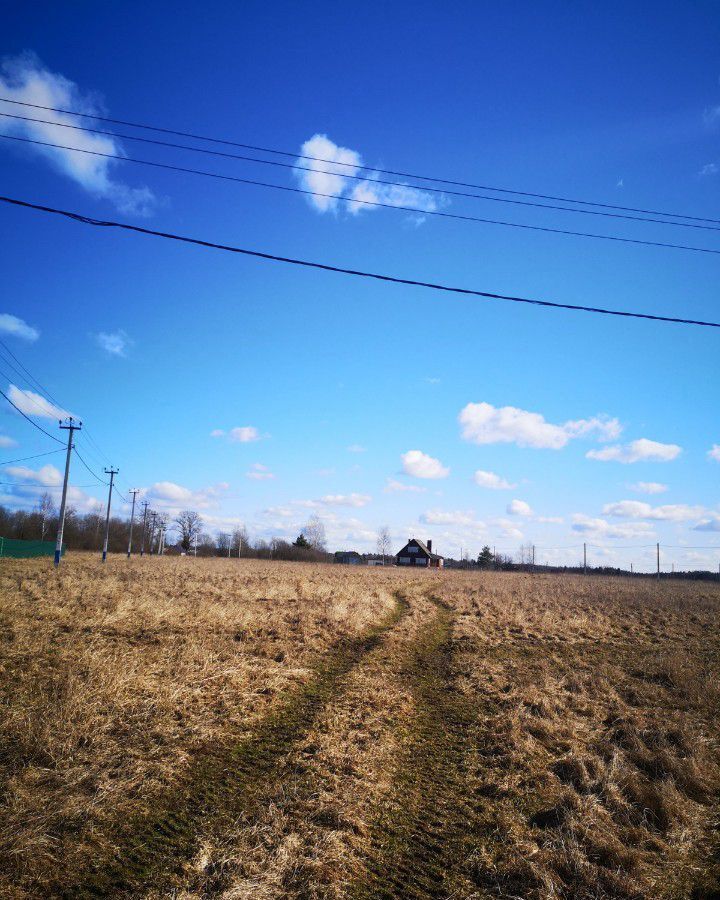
{"x": 224, "y": 782}
{"x": 420, "y": 840}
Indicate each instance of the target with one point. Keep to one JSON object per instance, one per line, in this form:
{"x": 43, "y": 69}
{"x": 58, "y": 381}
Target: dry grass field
{"x": 235, "y": 729}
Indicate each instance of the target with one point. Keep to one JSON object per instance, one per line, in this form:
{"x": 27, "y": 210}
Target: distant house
{"x": 348, "y": 558}
{"x": 415, "y": 553}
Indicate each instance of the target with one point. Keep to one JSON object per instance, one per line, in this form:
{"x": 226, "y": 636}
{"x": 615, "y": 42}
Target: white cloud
{"x": 329, "y": 178}
{"x": 648, "y": 487}
{"x": 550, "y": 520}
{"x": 243, "y": 434}
{"x": 17, "y": 327}
{"x": 603, "y": 529}
{"x": 492, "y": 481}
{"x": 47, "y": 475}
{"x": 6, "y": 441}
{"x": 355, "y": 500}
{"x": 259, "y": 472}
{"x": 714, "y": 453}
{"x": 34, "y": 405}
{"x": 420, "y": 465}
{"x": 711, "y": 523}
{"x": 519, "y": 508}
{"x": 444, "y": 517}
{"x": 356, "y": 448}
{"x": 637, "y": 509}
{"x": 114, "y": 343}
{"x": 508, "y": 528}
{"x": 483, "y": 423}
{"x": 397, "y": 487}
{"x": 710, "y": 169}
{"x": 642, "y": 450}
{"x": 23, "y": 78}
{"x": 172, "y": 497}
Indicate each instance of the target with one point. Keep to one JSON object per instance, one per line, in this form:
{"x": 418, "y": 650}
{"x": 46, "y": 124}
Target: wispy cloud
{"x": 6, "y": 441}
{"x": 648, "y": 487}
{"x": 259, "y": 472}
{"x": 420, "y": 465}
{"x": 330, "y": 179}
{"x": 714, "y": 453}
{"x": 242, "y": 434}
{"x": 642, "y": 450}
{"x": 483, "y": 423}
{"x": 10, "y": 324}
{"x": 114, "y": 343}
{"x": 25, "y": 79}
{"x": 352, "y": 500}
{"x": 637, "y": 509}
{"x": 356, "y": 448}
{"x": 397, "y": 487}
{"x": 709, "y": 169}
{"x": 33, "y": 404}
{"x": 600, "y": 528}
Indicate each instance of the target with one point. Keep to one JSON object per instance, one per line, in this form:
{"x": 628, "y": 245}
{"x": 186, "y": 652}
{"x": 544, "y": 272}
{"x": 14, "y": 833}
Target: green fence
{"x": 24, "y": 549}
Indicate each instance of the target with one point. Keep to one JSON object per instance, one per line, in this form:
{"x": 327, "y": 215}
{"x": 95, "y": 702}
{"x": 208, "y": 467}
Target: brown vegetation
{"x": 239, "y": 729}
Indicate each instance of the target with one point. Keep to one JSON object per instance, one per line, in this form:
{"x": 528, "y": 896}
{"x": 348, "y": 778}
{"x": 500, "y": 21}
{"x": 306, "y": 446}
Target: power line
{"x": 35, "y": 424}
{"x": 392, "y": 279}
{"x": 398, "y": 174}
{"x": 368, "y": 203}
{"x": 94, "y": 475}
{"x": 9, "y": 462}
{"x": 33, "y": 380}
{"x": 372, "y": 179}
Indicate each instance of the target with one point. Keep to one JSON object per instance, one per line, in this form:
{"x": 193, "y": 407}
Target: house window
{"x": 412, "y": 549}
{"x": 421, "y": 561}
{"x": 404, "y": 560}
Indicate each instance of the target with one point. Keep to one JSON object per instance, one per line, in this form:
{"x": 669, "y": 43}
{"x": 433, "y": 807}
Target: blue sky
{"x": 340, "y": 379}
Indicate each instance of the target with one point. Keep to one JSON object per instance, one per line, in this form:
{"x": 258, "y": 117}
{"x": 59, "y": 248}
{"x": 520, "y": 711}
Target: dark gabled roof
{"x": 423, "y": 547}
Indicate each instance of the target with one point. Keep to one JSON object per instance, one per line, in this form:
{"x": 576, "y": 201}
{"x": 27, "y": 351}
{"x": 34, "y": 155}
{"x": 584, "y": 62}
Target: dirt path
{"x": 223, "y": 783}
{"x": 421, "y": 837}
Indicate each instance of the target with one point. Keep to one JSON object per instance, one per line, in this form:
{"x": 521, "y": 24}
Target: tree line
{"x": 183, "y": 533}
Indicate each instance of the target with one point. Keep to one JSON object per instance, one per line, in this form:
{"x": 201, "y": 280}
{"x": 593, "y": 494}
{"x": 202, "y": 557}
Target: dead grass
{"x": 585, "y": 763}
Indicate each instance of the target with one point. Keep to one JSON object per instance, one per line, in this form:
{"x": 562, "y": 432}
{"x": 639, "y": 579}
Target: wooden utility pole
{"x": 70, "y": 426}
{"x": 658, "y": 561}
{"x": 584, "y": 559}
{"x": 112, "y": 473}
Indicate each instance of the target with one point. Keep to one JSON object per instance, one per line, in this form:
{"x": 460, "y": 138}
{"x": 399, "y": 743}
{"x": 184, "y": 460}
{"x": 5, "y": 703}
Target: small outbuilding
{"x": 348, "y": 557}
{"x": 415, "y": 553}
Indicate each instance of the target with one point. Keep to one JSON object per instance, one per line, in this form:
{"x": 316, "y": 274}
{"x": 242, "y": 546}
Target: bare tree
{"x": 46, "y": 508}
{"x": 240, "y": 539}
{"x": 222, "y": 543}
{"x": 384, "y": 542}
{"x": 314, "y": 532}
{"x": 189, "y": 524}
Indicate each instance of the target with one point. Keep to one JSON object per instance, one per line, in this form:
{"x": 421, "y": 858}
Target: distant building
{"x": 348, "y": 558}
{"x": 415, "y": 553}
{"x": 376, "y": 562}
